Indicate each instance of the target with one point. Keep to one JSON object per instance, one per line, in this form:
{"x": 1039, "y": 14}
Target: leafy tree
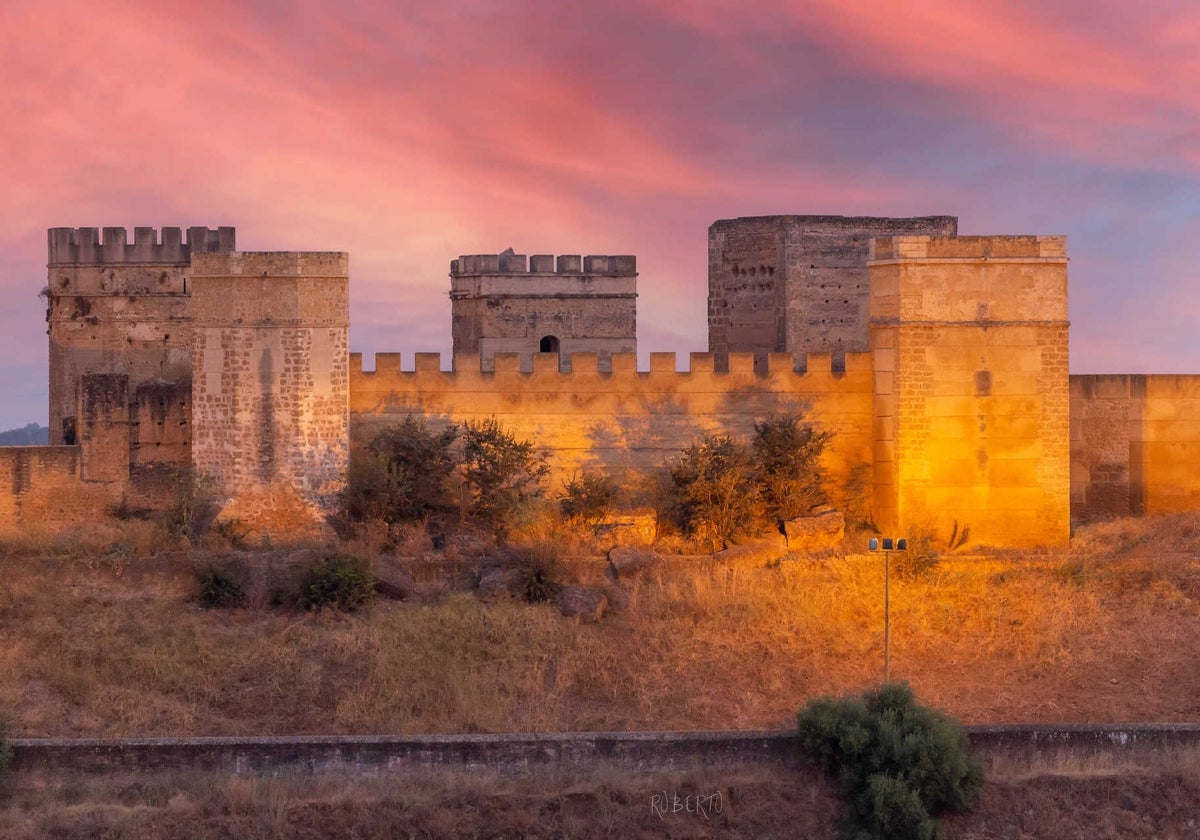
{"x": 716, "y": 497}
{"x": 898, "y": 765}
{"x": 501, "y": 471}
{"x": 402, "y": 474}
{"x": 786, "y": 455}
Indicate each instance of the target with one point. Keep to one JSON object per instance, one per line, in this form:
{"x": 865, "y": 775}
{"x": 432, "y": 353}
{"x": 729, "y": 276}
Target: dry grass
{"x": 100, "y": 640}
{"x": 753, "y": 802}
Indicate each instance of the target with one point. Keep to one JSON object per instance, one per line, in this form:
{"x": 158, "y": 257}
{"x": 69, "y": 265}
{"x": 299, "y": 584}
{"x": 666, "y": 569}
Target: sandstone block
{"x": 626, "y": 562}
{"x": 585, "y": 602}
{"x": 816, "y": 533}
{"x": 498, "y": 584}
{"x": 639, "y": 528}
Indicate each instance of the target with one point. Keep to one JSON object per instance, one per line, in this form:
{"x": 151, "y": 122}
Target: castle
{"x": 939, "y": 362}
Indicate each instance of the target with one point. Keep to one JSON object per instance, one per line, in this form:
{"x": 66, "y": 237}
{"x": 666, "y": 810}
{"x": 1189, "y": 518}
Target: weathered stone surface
{"x": 392, "y": 578}
{"x": 626, "y": 562}
{"x": 585, "y": 602}
{"x": 816, "y": 533}
{"x": 639, "y": 528}
{"x": 542, "y": 308}
{"x": 753, "y": 554}
{"x": 499, "y": 583}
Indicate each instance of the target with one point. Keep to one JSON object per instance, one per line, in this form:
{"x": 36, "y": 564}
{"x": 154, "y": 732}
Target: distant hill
{"x": 31, "y": 435}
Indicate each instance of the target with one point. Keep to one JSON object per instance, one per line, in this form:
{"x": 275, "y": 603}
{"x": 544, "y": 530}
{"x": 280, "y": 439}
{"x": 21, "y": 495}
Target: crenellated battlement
{"x": 599, "y": 265}
{"x": 662, "y": 368}
{"x": 111, "y": 245}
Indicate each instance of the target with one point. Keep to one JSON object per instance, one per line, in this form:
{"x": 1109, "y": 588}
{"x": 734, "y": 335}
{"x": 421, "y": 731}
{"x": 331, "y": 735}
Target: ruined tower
{"x": 270, "y": 385}
{"x": 507, "y": 303}
{"x": 971, "y": 393}
{"x": 796, "y": 284}
{"x": 119, "y": 308}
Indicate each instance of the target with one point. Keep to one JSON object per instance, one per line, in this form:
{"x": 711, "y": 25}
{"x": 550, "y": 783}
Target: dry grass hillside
{"x": 100, "y": 635}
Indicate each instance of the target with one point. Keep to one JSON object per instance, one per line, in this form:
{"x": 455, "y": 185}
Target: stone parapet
{"x": 83, "y": 246}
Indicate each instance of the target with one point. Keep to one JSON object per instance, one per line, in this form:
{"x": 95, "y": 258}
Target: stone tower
{"x": 270, "y": 385}
{"x": 506, "y": 303}
{"x": 969, "y": 346}
{"x": 119, "y": 308}
{"x": 796, "y": 284}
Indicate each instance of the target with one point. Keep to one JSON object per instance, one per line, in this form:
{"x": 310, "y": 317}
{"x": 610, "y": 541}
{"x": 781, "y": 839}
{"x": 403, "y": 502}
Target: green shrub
{"x": 219, "y": 587}
{"x": 341, "y": 581}
{"x": 785, "y": 461}
{"x": 501, "y": 471}
{"x": 898, "y": 765}
{"x": 587, "y": 497}
{"x": 402, "y": 474}
{"x": 715, "y": 497}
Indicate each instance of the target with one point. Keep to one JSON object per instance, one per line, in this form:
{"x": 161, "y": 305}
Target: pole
{"x": 887, "y": 615}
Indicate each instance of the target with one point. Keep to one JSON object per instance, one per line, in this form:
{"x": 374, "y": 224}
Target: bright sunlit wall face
{"x": 969, "y": 336}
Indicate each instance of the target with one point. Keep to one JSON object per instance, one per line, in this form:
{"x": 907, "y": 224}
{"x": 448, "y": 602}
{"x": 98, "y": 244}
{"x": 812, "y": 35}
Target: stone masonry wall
{"x": 1135, "y": 444}
{"x": 626, "y": 422}
{"x": 119, "y": 307}
{"x": 796, "y": 284}
{"x": 269, "y": 386}
{"x": 507, "y": 303}
{"x": 969, "y": 338}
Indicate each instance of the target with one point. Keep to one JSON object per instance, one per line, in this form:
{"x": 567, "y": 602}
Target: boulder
{"x": 640, "y": 528}
{"x": 753, "y": 554}
{"x": 499, "y": 583}
{"x": 625, "y": 562}
{"x": 585, "y": 602}
{"x": 816, "y": 533}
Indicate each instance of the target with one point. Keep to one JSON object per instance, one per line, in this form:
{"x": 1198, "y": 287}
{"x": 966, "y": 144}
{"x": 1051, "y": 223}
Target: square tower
{"x": 796, "y": 284}
{"x": 971, "y": 402}
{"x": 270, "y": 384}
{"x": 507, "y": 303}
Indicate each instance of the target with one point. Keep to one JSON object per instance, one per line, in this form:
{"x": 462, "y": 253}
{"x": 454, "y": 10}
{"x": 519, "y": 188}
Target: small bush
{"x": 587, "y": 497}
{"x": 502, "y": 471}
{"x": 219, "y": 587}
{"x": 540, "y": 575}
{"x": 715, "y": 498}
{"x": 899, "y": 766}
{"x": 341, "y": 581}
{"x": 785, "y": 455}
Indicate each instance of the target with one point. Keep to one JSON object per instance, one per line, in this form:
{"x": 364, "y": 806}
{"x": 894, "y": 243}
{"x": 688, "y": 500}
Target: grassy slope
{"x": 1106, "y": 631}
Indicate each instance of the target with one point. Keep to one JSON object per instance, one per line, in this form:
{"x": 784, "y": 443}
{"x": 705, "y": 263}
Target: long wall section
{"x": 1135, "y": 444}
{"x": 627, "y": 421}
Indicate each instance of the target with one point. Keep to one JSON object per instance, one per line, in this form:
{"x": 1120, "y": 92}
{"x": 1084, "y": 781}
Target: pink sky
{"x": 410, "y": 137}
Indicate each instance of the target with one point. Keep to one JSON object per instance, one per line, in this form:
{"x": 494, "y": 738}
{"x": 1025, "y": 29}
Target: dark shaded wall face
{"x": 796, "y": 283}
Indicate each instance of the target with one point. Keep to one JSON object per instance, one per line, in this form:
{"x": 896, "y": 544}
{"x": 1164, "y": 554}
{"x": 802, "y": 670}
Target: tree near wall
{"x": 786, "y": 457}
{"x": 501, "y": 472}
{"x": 402, "y": 474}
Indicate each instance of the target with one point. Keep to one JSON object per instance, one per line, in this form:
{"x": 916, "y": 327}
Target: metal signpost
{"x": 888, "y": 545}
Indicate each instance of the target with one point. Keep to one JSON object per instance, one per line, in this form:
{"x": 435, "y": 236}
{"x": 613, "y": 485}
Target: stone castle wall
{"x": 1135, "y": 444}
{"x": 796, "y": 284}
{"x": 625, "y": 423}
{"x": 508, "y": 303}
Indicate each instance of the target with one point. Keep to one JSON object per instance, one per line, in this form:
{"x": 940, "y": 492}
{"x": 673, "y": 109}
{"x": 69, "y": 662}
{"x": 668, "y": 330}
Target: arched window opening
{"x": 548, "y": 344}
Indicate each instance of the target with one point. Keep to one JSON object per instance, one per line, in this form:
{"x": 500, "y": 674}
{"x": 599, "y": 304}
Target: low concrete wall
{"x": 1006, "y": 747}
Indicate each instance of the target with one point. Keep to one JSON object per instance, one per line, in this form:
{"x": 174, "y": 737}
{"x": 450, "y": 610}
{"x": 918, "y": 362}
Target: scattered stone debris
{"x": 499, "y": 583}
{"x": 626, "y": 562}
{"x": 639, "y": 528}
{"x": 816, "y": 533}
{"x": 585, "y": 602}
{"x": 392, "y": 578}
